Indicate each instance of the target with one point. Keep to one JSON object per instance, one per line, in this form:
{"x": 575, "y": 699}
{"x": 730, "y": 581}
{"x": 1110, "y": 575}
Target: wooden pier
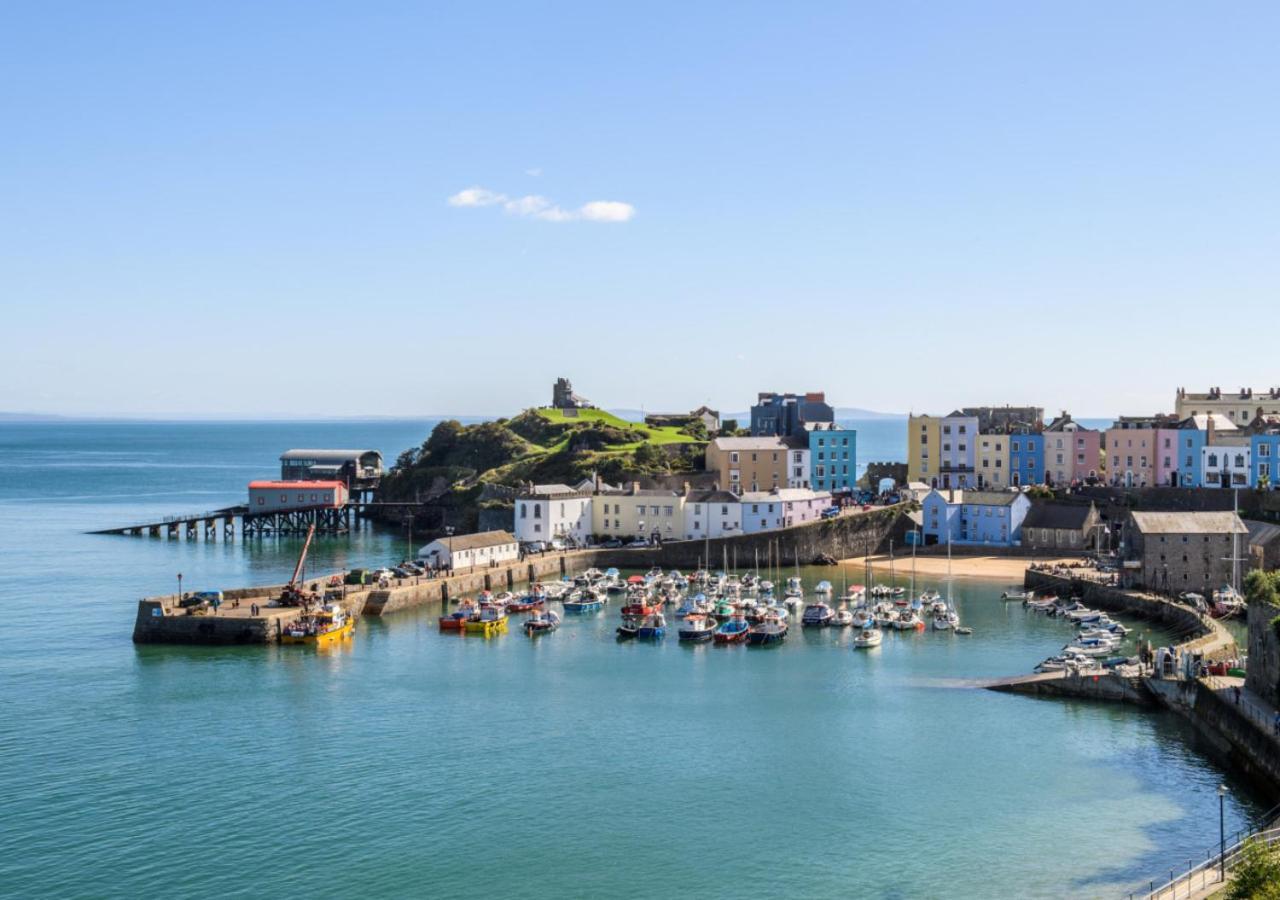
{"x": 230, "y": 520}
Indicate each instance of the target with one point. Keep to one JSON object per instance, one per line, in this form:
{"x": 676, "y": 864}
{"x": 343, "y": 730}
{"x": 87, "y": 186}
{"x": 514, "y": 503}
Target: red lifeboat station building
{"x": 285, "y": 496}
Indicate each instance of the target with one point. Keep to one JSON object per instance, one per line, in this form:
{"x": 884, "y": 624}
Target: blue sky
{"x": 243, "y": 208}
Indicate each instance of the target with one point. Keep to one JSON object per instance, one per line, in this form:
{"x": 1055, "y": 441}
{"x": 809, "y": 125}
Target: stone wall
{"x": 877, "y": 470}
{"x": 1263, "y": 672}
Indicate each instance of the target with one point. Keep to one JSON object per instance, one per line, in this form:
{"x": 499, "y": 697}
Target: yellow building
{"x": 991, "y": 461}
{"x": 924, "y": 449}
{"x": 637, "y": 513}
{"x": 750, "y": 463}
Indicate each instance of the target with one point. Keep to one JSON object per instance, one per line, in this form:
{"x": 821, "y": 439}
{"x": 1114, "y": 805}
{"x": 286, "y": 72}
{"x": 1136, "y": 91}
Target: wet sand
{"x": 1002, "y": 568}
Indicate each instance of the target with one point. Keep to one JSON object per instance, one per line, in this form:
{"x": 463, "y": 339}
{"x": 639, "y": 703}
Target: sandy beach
{"x": 1003, "y": 568}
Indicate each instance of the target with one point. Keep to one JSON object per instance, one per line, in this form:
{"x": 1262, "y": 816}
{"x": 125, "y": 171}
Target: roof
{"x": 749, "y": 443}
{"x": 329, "y": 456}
{"x": 1262, "y": 533}
{"x": 475, "y": 541}
{"x": 785, "y": 494}
{"x": 1188, "y": 523}
{"x": 796, "y": 441}
{"x": 978, "y": 498}
{"x": 297, "y": 485}
{"x": 1048, "y": 514}
{"x": 712, "y": 497}
{"x": 550, "y": 490}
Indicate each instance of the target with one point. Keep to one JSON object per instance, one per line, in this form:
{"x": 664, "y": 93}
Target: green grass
{"x": 666, "y": 434}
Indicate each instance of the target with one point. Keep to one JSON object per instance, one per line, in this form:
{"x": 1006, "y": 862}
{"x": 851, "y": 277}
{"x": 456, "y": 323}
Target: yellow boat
{"x": 490, "y": 621}
{"x": 329, "y": 624}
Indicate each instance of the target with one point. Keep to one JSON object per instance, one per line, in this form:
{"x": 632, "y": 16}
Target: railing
{"x": 1201, "y": 876}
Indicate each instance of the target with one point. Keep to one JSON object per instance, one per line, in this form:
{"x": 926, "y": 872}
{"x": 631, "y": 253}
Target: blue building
{"x": 1264, "y": 454}
{"x": 1191, "y": 441}
{"x": 785, "y": 415}
{"x": 1026, "y": 457}
{"x": 991, "y": 518}
{"x": 833, "y": 457}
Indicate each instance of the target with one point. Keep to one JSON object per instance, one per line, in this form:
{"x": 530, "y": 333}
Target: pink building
{"x": 1071, "y": 452}
{"x": 1135, "y": 453}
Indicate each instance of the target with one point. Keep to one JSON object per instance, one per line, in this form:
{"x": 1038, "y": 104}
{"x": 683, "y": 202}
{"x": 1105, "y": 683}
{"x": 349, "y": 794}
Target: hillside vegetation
{"x": 453, "y": 464}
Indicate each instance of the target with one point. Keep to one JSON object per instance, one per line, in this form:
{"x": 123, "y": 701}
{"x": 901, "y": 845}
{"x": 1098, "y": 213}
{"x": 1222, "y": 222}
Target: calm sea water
{"x": 411, "y": 763}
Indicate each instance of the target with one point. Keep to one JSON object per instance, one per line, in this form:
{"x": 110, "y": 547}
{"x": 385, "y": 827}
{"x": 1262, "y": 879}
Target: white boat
{"x": 906, "y": 620}
{"x": 795, "y": 588}
{"x": 863, "y": 618}
{"x": 842, "y": 619}
{"x": 942, "y": 622}
{"x": 1024, "y": 596}
{"x": 867, "y": 638}
{"x": 1092, "y": 646}
{"x": 823, "y": 587}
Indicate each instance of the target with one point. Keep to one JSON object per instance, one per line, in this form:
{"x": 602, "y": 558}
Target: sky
{"x": 343, "y": 209}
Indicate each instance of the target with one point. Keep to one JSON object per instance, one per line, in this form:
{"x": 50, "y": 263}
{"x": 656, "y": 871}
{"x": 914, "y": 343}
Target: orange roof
{"x": 297, "y": 485}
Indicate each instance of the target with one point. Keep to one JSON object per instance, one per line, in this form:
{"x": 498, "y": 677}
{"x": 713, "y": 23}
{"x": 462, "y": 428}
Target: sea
{"x": 410, "y": 763}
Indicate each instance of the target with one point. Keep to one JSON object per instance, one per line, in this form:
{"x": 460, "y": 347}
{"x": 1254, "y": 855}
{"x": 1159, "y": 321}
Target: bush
{"x": 1256, "y": 875}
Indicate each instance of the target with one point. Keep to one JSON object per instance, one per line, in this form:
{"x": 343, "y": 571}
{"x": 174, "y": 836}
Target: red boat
{"x": 638, "y": 607}
{"x": 455, "y": 620}
{"x": 732, "y": 632}
{"x": 527, "y": 603}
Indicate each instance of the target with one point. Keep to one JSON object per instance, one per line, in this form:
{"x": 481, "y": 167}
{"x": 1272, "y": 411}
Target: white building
{"x": 712, "y": 514}
{"x": 466, "y": 551}
{"x": 797, "y": 462}
{"x": 767, "y": 510}
{"x": 959, "y": 437}
{"x": 547, "y": 511}
{"x": 1226, "y": 463}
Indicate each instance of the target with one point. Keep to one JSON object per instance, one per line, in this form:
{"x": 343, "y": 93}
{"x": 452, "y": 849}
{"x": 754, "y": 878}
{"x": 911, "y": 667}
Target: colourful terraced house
{"x": 833, "y": 456}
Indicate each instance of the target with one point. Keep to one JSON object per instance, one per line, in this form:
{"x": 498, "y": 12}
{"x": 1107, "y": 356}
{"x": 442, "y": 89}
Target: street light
{"x": 1222, "y": 834}
{"x": 448, "y": 533}
{"x": 179, "y": 588}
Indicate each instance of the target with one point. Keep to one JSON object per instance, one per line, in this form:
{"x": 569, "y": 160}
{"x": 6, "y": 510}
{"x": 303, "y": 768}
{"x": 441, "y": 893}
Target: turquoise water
{"x": 412, "y": 763}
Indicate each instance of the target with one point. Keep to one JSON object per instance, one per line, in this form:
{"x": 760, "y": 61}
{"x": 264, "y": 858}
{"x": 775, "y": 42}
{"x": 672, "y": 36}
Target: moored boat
{"x": 696, "y": 628}
{"x": 324, "y": 626}
{"x": 817, "y": 614}
{"x": 541, "y": 622}
{"x": 868, "y": 637}
{"x": 732, "y": 632}
{"x": 490, "y": 620}
{"x": 772, "y": 630}
{"x": 580, "y": 602}
{"x": 652, "y": 627}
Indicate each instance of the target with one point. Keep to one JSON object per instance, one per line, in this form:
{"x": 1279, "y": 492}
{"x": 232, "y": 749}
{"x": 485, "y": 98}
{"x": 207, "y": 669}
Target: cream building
{"x": 750, "y": 463}
{"x": 991, "y": 461}
{"x": 924, "y": 454}
{"x": 1239, "y": 407}
{"x": 638, "y": 513}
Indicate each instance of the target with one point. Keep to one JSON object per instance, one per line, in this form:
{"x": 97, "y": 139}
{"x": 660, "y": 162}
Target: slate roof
{"x": 1188, "y": 523}
{"x": 1047, "y": 514}
{"x": 979, "y": 498}
{"x": 749, "y": 443}
{"x": 477, "y": 540}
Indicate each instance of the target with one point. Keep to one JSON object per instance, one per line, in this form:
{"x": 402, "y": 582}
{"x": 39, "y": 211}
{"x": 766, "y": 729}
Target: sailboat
{"x": 945, "y": 618}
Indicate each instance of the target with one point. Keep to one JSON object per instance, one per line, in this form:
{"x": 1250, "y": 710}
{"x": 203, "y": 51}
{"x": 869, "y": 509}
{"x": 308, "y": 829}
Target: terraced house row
{"x": 1212, "y": 440}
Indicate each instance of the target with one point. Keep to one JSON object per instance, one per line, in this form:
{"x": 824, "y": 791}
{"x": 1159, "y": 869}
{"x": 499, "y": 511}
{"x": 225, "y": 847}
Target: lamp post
{"x": 448, "y": 533}
{"x": 179, "y": 588}
{"x": 1222, "y": 833}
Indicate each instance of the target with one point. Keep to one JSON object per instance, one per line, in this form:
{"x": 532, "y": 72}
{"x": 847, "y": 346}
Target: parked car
{"x": 638, "y": 542}
{"x": 412, "y": 568}
{"x": 535, "y": 546}
{"x": 356, "y": 576}
{"x": 831, "y": 512}
{"x": 557, "y": 544}
{"x": 612, "y": 544}
{"x": 401, "y": 572}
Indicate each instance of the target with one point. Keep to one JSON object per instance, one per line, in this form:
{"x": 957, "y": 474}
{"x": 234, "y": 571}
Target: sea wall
{"x": 1080, "y": 685}
{"x": 1263, "y": 672}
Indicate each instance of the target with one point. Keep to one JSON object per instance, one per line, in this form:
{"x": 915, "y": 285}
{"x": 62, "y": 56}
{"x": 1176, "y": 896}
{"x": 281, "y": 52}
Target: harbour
{"x": 572, "y": 704}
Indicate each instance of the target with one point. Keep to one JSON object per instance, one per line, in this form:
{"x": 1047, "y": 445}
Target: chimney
{"x": 635, "y": 487}
{"x": 1209, "y": 429}
{"x": 951, "y": 495}
{"x": 685, "y": 492}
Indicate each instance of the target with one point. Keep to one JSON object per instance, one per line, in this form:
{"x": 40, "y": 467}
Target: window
{"x": 733, "y": 457}
{"x": 1264, "y": 450}
{"x": 667, "y": 511}
{"x": 262, "y": 501}
{"x": 537, "y": 511}
{"x": 524, "y": 509}
{"x": 537, "y": 528}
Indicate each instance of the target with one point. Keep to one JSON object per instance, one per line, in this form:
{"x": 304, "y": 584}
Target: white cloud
{"x": 533, "y": 173}
{"x": 477, "y": 196}
{"x": 535, "y": 206}
{"x": 607, "y": 211}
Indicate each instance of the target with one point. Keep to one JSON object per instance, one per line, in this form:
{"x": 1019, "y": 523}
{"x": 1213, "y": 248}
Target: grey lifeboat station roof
{"x": 332, "y": 457}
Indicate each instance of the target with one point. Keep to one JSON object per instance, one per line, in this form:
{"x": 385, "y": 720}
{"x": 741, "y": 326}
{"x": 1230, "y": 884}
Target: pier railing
{"x": 1198, "y": 878}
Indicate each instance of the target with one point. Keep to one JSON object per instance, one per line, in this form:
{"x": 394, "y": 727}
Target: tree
{"x": 1264, "y": 482}
{"x": 697, "y": 429}
{"x": 1262, "y": 587}
{"x": 650, "y": 457}
{"x": 1256, "y": 876}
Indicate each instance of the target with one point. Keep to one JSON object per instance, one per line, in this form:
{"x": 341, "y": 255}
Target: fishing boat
{"x": 771, "y": 630}
{"x": 641, "y": 604}
{"x": 456, "y": 620}
{"x": 867, "y": 638}
{"x": 583, "y": 602}
{"x": 817, "y": 614}
{"x": 629, "y": 628}
{"x": 533, "y": 600}
{"x": 822, "y": 587}
{"x": 324, "y": 626}
{"x": 732, "y": 632}
{"x": 696, "y": 628}
{"x": 795, "y": 587}
{"x": 726, "y": 609}
{"x": 1018, "y": 595}
{"x": 541, "y": 622}
{"x": 652, "y": 627}
{"x": 490, "y": 620}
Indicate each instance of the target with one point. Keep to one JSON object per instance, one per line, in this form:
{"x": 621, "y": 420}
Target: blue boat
{"x": 583, "y": 603}
{"x": 732, "y": 632}
{"x": 653, "y": 627}
{"x": 773, "y": 630}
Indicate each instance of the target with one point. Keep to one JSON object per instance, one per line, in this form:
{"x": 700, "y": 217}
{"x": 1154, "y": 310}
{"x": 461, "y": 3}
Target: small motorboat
{"x": 817, "y": 614}
{"x": 842, "y": 618}
{"x": 963, "y": 629}
{"x": 696, "y": 628}
{"x": 1022, "y": 596}
{"x": 822, "y": 587}
{"x": 732, "y": 632}
{"x": 772, "y": 630}
{"x": 456, "y": 620}
{"x": 795, "y": 587}
{"x": 867, "y": 638}
{"x": 582, "y": 602}
{"x": 629, "y": 628}
{"x": 490, "y": 620}
{"x": 652, "y": 627}
{"x": 541, "y": 622}
{"x": 908, "y": 621}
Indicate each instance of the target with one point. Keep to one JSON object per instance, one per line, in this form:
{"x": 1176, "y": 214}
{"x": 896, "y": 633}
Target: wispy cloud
{"x": 535, "y": 206}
